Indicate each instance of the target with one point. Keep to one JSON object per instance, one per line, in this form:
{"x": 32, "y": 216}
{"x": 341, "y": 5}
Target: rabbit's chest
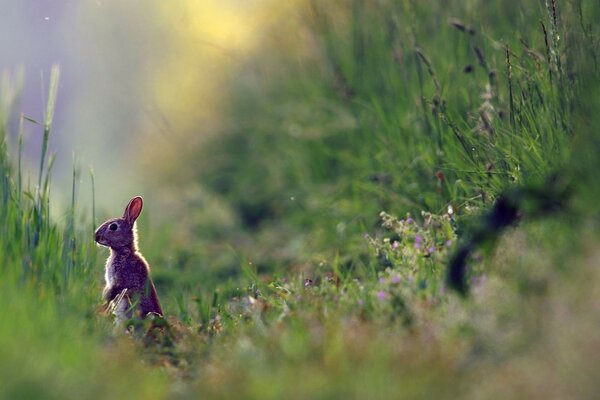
{"x": 110, "y": 271}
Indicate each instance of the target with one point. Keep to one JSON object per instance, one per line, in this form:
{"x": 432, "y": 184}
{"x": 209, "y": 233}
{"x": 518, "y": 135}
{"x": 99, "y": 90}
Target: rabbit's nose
{"x": 97, "y": 236}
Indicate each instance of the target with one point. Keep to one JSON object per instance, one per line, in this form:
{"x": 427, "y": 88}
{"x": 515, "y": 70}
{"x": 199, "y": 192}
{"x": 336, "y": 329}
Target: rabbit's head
{"x": 120, "y": 233}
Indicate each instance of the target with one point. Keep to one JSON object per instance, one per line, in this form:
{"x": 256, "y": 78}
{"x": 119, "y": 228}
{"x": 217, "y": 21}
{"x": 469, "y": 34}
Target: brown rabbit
{"x": 127, "y": 276}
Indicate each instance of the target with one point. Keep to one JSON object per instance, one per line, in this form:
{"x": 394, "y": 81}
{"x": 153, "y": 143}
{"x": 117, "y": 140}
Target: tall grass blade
{"x": 49, "y": 117}
{"x": 93, "y": 198}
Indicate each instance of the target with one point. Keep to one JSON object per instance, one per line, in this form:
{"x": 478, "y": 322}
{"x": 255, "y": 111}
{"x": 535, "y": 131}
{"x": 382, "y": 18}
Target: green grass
{"x": 374, "y": 107}
{"x": 287, "y": 279}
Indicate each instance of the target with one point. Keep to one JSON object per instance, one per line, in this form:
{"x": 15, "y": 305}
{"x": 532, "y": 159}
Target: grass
{"x": 428, "y": 122}
{"x": 381, "y": 113}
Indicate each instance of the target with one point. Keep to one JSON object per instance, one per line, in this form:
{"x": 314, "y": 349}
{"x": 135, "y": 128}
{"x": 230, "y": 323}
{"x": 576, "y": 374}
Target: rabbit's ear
{"x": 134, "y": 209}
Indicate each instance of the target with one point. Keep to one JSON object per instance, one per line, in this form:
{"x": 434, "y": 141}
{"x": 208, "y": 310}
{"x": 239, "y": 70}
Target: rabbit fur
{"x": 129, "y": 289}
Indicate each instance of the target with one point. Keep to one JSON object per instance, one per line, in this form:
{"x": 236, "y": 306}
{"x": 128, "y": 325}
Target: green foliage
{"x": 50, "y": 336}
{"x": 396, "y": 106}
{"x": 387, "y": 109}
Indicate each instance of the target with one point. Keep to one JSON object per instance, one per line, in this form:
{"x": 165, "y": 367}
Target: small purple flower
{"x": 409, "y": 220}
{"x": 382, "y": 280}
{"x": 308, "y": 283}
{"x": 479, "y": 280}
{"x": 418, "y": 241}
{"x": 396, "y": 279}
{"x": 366, "y": 235}
{"x": 360, "y": 302}
{"x": 448, "y": 243}
{"x": 381, "y": 295}
{"x": 431, "y": 250}
{"x": 395, "y": 245}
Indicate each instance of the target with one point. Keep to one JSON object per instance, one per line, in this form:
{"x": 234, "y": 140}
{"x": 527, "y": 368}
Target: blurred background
{"x": 159, "y": 99}
{"x": 142, "y": 88}
{"x": 140, "y": 80}
{"x": 276, "y": 132}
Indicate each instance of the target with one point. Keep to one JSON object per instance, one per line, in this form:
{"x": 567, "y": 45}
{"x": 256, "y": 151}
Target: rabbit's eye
{"x": 113, "y": 227}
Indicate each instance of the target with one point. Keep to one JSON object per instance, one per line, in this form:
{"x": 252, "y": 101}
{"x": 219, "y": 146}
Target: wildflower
{"x": 360, "y": 302}
{"x": 308, "y": 283}
{"x": 448, "y": 243}
{"x": 382, "y": 280}
{"x": 331, "y": 278}
{"x": 396, "y": 279}
{"x": 440, "y": 176}
{"x": 418, "y": 241}
{"x": 431, "y": 250}
{"x": 409, "y": 220}
{"x": 395, "y": 245}
{"x": 381, "y": 295}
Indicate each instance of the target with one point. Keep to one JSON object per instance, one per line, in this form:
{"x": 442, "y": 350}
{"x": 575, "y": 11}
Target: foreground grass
{"x": 381, "y": 326}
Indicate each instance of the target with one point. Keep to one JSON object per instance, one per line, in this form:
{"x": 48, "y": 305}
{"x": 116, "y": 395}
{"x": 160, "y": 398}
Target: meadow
{"x": 312, "y": 245}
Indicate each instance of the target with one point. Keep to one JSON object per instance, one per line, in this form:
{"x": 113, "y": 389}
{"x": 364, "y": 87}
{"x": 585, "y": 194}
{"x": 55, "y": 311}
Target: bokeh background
{"x": 276, "y": 132}
{"x": 140, "y": 81}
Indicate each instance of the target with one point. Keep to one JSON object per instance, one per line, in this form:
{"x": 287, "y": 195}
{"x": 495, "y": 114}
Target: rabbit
{"x": 129, "y": 288}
